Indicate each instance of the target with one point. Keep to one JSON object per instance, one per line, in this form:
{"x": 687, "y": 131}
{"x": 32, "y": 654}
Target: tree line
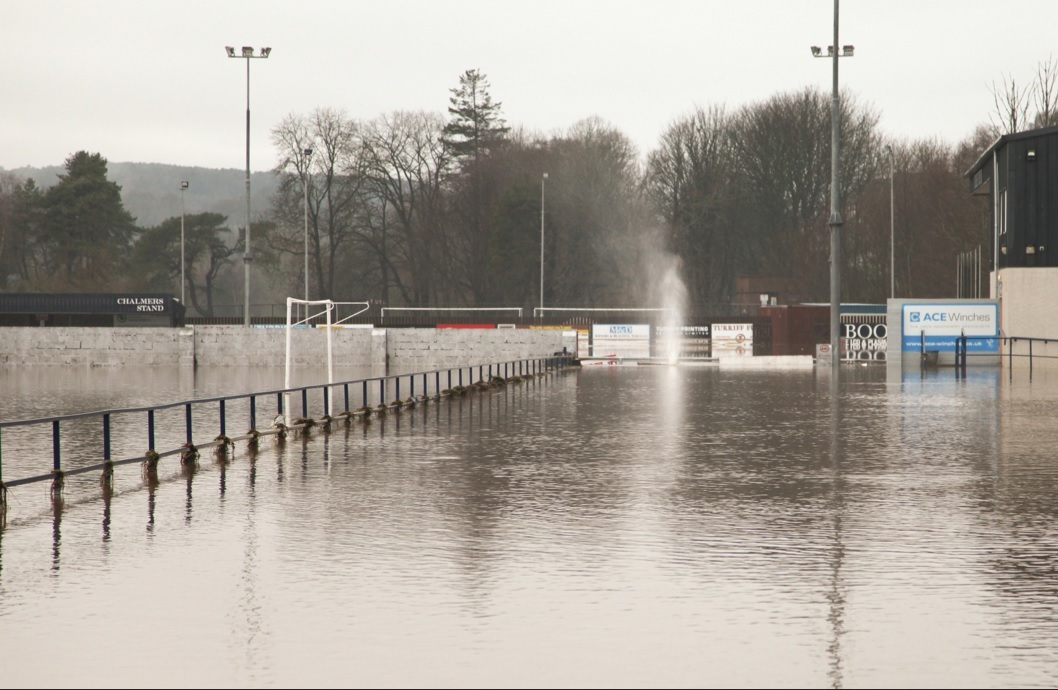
{"x": 427, "y": 210}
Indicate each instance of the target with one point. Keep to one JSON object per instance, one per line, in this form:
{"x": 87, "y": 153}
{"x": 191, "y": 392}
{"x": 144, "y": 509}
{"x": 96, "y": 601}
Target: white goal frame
{"x": 329, "y": 308}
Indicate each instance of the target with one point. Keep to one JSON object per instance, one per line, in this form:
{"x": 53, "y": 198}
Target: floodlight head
{"x": 817, "y": 51}
{"x": 846, "y": 51}
{"x": 307, "y": 151}
{"x": 265, "y": 52}
{"x": 183, "y": 185}
{"x": 247, "y": 51}
{"x": 231, "y": 50}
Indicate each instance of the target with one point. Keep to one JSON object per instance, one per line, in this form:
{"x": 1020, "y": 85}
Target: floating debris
{"x": 188, "y": 455}
{"x": 58, "y": 483}
{"x": 224, "y": 444}
{"x": 106, "y": 480}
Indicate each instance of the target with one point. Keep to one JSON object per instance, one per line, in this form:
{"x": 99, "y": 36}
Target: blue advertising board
{"x": 936, "y": 326}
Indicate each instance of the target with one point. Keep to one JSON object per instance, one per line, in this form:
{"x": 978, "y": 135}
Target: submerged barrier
{"x": 375, "y": 395}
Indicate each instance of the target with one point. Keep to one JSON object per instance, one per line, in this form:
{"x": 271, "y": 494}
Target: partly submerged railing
{"x": 376, "y": 395}
{"x": 1011, "y": 348}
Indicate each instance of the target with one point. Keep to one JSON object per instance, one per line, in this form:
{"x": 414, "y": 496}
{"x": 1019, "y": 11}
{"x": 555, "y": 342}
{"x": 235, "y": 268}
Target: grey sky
{"x": 147, "y": 81}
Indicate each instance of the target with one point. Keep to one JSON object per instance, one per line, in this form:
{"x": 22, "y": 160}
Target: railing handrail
{"x": 241, "y": 396}
{"x": 526, "y": 366}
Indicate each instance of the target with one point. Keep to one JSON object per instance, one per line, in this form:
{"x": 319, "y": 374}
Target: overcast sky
{"x": 149, "y": 81}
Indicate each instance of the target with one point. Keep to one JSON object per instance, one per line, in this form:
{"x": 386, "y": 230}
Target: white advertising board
{"x": 620, "y": 340}
{"x": 732, "y": 339}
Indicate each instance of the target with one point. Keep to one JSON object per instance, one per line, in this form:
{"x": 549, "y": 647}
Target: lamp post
{"x": 305, "y": 183}
{"x": 247, "y": 257}
{"x": 183, "y": 188}
{"x": 892, "y": 234}
{"x": 543, "y": 181}
{"x": 835, "y": 222}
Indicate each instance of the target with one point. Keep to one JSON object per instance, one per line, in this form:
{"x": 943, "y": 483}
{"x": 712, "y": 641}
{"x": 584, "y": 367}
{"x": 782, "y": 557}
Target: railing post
{"x": 187, "y": 420}
{"x": 223, "y": 422}
{"x": 305, "y": 402}
{"x": 106, "y": 436}
{"x": 55, "y": 455}
{"x": 253, "y": 413}
{"x": 150, "y": 429}
{"x": 1010, "y": 357}
{"x": 365, "y": 392}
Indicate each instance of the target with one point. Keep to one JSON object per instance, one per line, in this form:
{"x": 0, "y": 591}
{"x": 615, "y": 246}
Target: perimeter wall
{"x": 404, "y": 349}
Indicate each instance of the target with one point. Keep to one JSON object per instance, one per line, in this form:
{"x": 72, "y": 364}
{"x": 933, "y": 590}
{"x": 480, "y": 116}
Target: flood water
{"x": 652, "y": 526}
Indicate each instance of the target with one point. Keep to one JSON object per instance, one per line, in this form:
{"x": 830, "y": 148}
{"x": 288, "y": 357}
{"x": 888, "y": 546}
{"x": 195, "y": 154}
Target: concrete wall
{"x": 403, "y": 349}
{"x": 1028, "y": 308}
{"x": 101, "y": 347}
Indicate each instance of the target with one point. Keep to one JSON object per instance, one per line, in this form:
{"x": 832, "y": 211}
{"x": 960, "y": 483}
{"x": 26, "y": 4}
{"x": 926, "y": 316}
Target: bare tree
{"x": 689, "y": 180}
{"x": 1045, "y": 94}
{"x": 1011, "y": 107}
{"x": 407, "y": 166}
{"x": 782, "y": 149}
{"x": 596, "y": 218}
{"x": 332, "y": 179}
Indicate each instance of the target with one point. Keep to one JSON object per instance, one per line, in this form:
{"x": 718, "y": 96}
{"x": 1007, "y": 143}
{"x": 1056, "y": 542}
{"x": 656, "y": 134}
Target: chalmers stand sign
{"x": 938, "y": 325}
{"x": 140, "y": 304}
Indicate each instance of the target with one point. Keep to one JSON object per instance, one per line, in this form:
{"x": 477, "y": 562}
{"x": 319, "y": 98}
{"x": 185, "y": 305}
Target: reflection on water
{"x": 633, "y": 526}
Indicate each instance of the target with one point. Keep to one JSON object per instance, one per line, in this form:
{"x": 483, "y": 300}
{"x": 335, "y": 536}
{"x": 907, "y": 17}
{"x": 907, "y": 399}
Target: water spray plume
{"x": 674, "y": 300}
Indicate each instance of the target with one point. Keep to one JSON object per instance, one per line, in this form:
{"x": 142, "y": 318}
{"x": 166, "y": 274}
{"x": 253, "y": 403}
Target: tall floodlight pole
{"x": 305, "y": 182}
{"x": 835, "y": 191}
{"x": 247, "y": 257}
{"x": 543, "y": 181}
{"x": 183, "y": 188}
{"x": 892, "y": 233}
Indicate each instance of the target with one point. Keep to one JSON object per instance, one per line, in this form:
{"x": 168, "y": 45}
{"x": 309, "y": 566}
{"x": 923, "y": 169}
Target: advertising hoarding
{"x": 936, "y": 326}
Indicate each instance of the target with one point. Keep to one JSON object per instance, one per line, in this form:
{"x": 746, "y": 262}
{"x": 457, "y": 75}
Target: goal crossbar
{"x": 539, "y": 311}
{"x": 518, "y": 310}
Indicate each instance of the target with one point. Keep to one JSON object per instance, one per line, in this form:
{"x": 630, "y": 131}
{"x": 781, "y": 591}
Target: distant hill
{"x": 151, "y": 191}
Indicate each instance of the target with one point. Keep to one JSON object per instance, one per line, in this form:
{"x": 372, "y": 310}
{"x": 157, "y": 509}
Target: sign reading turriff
{"x": 937, "y": 325}
{"x": 732, "y": 340}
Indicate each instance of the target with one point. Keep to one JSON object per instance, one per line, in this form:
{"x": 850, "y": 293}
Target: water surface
{"x": 621, "y": 527}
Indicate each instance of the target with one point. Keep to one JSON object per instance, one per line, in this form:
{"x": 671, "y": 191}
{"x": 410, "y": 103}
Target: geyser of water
{"x": 673, "y": 295}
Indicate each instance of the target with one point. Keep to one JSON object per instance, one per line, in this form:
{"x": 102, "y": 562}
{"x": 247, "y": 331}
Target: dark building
{"x": 1019, "y": 173}
{"x": 78, "y": 309}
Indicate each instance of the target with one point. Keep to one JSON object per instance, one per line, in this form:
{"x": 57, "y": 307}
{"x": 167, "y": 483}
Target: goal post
{"x": 323, "y": 307}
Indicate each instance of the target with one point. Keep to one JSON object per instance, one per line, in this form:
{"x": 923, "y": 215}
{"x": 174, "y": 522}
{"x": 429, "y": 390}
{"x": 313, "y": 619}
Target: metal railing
{"x": 1009, "y": 352}
{"x": 376, "y": 395}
